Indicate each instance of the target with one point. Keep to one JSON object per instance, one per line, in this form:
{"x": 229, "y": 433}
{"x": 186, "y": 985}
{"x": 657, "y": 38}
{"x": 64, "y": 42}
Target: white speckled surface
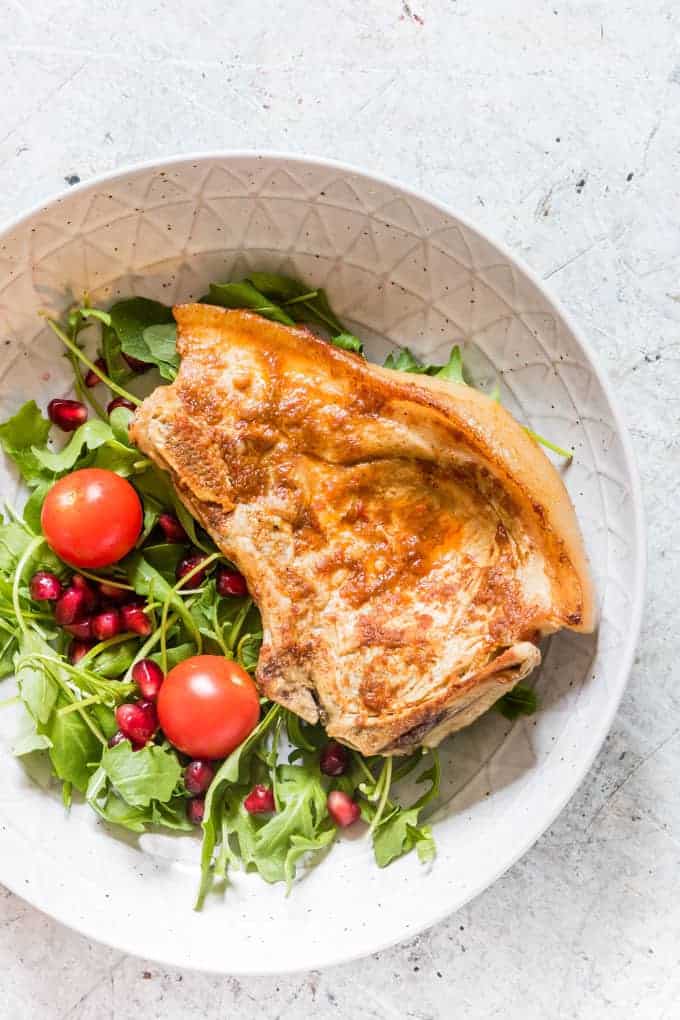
{"x": 466, "y": 100}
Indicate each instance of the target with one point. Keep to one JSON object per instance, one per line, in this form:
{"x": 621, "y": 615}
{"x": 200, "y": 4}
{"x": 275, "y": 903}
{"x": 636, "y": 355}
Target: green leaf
{"x": 152, "y": 773}
{"x": 234, "y": 771}
{"x": 521, "y": 700}
{"x": 147, "y": 581}
{"x": 248, "y": 651}
{"x": 161, "y": 340}
{"x": 90, "y": 436}
{"x": 399, "y": 831}
{"x": 116, "y": 366}
{"x": 174, "y": 655}
{"x": 105, "y": 801}
{"x": 19, "y": 434}
{"x": 34, "y": 503}
{"x": 114, "y": 661}
{"x": 131, "y": 317}
{"x": 280, "y": 288}
{"x": 74, "y": 748}
{"x": 28, "y": 738}
{"x": 402, "y": 360}
{"x": 165, "y": 558}
{"x": 348, "y": 342}
{"x": 38, "y": 690}
{"x": 119, "y": 420}
{"x": 245, "y": 295}
{"x": 453, "y": 369}
{"x": 314, "y": 309}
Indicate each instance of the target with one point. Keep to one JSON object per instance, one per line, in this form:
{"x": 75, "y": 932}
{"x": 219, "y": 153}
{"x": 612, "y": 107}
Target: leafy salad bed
{"x": 69, "y": 690}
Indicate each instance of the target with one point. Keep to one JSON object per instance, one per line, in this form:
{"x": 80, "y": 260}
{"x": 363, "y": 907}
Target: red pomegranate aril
{"x": 135, "y": 619}
{"x": 45, "y": 587}
{"x": 117, "y": 738}
{"x": 172, "y": 529}
{"x": 343, "y": 810}
{"x": 92, "y": 379}
{"x": 106, "y": 624}
{"x": 260, "y": 800}
{"x": 198, "y": 775}
{"x": 138, "y": 721}
{"x": 66, "y": 414}
{"x": 77, "y": 650}
{"x": 111, "y": 593}
{"x": 334, "y": 759}
{"x": 196, "y": 810}
{"x": 72, "y": 605}
{"x": 148, "y": 676}
{"x": 135, "y": 364}
{"x": 119, "y": 402}
{"x": 81, "y": 629}
{"x": 230, "y": 582}
{"x": 84, "y": 586}
{"x": 186, "y": 565}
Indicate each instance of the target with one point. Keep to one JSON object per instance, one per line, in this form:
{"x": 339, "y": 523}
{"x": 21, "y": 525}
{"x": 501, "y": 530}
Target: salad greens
{"x": 67, "y": 709}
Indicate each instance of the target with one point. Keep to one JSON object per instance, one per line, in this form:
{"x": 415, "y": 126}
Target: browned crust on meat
{"x": 366, "y": 508}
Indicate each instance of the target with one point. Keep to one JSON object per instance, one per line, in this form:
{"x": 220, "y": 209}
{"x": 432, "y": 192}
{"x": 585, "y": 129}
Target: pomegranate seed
{"x": 135, "y": 364}
{"x": 334, "y": 759}
{"x": 230, "y": 582}
{"x": 66, "y": 414}
{"x": 119, "y": 402}
{"x": 84, "y": 586}
{"x": 148, "y": 676}
{"x": 186, "y": 565}
{"x": 259, "y": 800}
{"x": 82, "y": 629}
{"x": 172, "y": 529}
{"x": 92, "y": 379}
{"x": 72, "y": 605}
{"x": 198, "y": 775}
{"x": 111, "y": 593}
{"x": 106, "y": 625}
{"x": 77, "y": 650}
{"x": 343, "y": 810}
{"x": 117, "y": 738}
{"x": 45, "y": 587}
{"x": 135, "y": 619}
{"x": 196, "y": 810}
{"x": 138, "y": 722}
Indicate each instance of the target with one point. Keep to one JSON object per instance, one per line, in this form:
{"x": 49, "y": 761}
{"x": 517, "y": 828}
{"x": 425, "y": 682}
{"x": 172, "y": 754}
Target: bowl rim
{"x": 597, "y": 734}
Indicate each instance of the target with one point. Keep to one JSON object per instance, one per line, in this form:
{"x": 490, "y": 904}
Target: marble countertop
{"x": 555, "y": 126}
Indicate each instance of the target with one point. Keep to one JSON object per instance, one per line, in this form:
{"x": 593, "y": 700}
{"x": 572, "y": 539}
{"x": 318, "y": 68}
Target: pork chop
{"x": 406, "y": 541}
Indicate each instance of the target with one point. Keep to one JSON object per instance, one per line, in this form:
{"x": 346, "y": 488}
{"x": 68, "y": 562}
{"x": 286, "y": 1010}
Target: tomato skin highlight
{"x": 91, "y": 518}
{"x": 207, "y": 706}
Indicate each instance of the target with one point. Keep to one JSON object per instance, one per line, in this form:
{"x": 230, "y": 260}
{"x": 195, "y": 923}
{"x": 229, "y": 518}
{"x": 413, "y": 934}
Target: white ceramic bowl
{"x": 403, "y": 270}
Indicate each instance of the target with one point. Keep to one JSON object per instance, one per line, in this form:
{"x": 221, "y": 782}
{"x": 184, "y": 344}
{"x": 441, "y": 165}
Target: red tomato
{"x": 91, "y": 518}
{"x": 207, "y": 706}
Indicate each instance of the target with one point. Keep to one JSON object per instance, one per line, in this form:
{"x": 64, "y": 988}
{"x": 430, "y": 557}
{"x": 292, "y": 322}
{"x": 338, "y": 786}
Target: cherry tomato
{"x": 207, "y": 706}
{"x": 91, "y": 518}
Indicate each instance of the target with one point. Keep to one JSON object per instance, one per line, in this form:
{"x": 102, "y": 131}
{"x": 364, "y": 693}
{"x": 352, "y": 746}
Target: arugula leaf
{"x": 161, "y": 341}
{"x": 34, "y": 503}
{"x": 399, "y": 831}
{"x": 91, "y": 435}
{"x": 19, "y": 434}
{"x": 102, "y": 798}
{"x": 119, "y": 420}
{"x": 521, "y": 700}
{"x": 74, "y": 747}
{"x": 453, "y": 369}
{"x": 130, "y": 319}
{"x": 245, "y": 295}
{"x": 116, "y": 660}
{"x": 147, "y": 581}
{"x": 27, "y": 738}
{"x": 348, "y": 342}
{"x": 234, "y": 771}
{"x": 152, "y": 773}
{"x": 37, "y": 688}
{"x": 116, "y": 366}
{"x": 402, "y": 360}
{"x": 301, "y": 802}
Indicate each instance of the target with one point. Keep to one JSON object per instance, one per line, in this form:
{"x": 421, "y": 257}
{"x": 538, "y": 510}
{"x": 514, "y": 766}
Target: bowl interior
{"x": 400, "y": 270}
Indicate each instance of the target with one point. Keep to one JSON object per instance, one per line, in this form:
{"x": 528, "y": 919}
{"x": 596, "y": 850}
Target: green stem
{"x": 75, "y": 706}
{"x": 568, "y": 455}
{"x": 164, "y": 636}
{"x": 78, "y": 707}
{"x": 364, "y": 767}
{"x": 105, "y": 580}
{"x": 303, "y": 297}
{"x": 66, "y": 340}
{"x": 83, "y": 391}
{"x": 386, "y": 780}
{"x": 21, "y": 566}
{"x": 150, "y": 643}
{"x": 97, "y": 649}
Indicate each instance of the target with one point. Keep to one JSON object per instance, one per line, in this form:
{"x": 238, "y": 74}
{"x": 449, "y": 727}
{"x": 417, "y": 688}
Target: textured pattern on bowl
{"x": 402, "y": 270}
